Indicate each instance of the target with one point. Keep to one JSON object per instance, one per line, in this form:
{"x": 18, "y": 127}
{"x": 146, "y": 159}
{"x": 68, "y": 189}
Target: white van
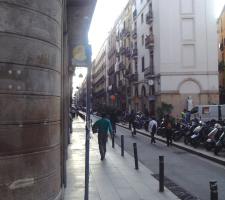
{"x": 208, "y": 112}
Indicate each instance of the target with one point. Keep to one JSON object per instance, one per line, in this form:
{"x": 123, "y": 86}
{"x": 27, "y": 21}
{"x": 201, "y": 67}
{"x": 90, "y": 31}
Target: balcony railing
{"x": 135, "y": 14}
{"x": 149, "y": 17}
{"x": 134, "y": 53}
{"x": 149, "y": 72}
{"x": 128, "y": 52}
{"x": 149, "y": 41}
{"x": 134, "y": 34}
{"x": 122, "y": 50}
{"x": 133, "y": 77}
{"x": 122, "y": 66}
{"x": 111, "y": 70}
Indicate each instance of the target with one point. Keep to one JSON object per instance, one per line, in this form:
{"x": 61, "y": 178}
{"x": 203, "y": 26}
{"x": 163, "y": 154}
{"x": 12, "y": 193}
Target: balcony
{"x": 134, "y": 34}
{"x": 125, "y": 33}
{"x": 149, "y": 17}
{"x": 134, "y": 53}
{"x": 128, "y": 52}
{"x": 111, "y": 70}
{"x": 149, "y": 41}
{"x": 122, "y": 50}
{"x": 135, "y": 14}
{"x": 149, "y": 72}
{"x": 133, "y": 77}
{"x": 121, "y": 83}
{"x": 122, "y": 66}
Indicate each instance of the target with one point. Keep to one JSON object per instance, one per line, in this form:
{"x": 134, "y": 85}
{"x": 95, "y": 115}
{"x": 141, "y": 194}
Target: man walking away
{"x": 153, "y": 128}
{"x": 102, "y": 126}
{"x": 168, "y": 129}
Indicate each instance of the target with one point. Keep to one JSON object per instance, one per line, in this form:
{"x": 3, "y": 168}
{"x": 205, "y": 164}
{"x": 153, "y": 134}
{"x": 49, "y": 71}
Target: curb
{"x": 191, "y": 150}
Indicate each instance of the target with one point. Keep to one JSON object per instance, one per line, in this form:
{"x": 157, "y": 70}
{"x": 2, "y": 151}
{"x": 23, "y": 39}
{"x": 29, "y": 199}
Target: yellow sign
{"x": 81, "y": 55}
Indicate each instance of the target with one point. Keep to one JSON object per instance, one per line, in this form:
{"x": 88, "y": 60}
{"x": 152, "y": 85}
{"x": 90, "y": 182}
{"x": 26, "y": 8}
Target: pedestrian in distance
{"x": 153, "y": 125}
{"x": 113, "y": 120}
{"x": 102, "y": 127}
{"x": 168, "y": 129}
{"x": 132, "y": 122}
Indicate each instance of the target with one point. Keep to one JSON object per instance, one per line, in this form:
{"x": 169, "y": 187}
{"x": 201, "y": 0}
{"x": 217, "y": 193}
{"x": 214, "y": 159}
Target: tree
{"x": 164, "y": 109}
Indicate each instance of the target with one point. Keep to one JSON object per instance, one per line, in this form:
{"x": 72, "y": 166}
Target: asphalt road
{"x": 189, "y": 171}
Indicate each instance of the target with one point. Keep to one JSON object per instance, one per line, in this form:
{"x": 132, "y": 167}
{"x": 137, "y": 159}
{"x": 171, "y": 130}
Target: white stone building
{"x": 183, "y": 50}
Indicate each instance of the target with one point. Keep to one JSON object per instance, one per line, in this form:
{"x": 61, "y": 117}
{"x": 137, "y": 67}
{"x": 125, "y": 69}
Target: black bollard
{"x": 213, "y": 190}
{"x": 122, "y": 145}
{"x": 161, "y": 173}
{"x": 113, "y": 141}
{"x": 135, "y": 155}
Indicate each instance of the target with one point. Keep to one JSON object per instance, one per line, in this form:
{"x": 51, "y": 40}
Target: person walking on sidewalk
{"x": 102, "y": 127}
{"x": 153, "y": 128}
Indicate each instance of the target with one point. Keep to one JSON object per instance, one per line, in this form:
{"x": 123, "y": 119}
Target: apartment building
{"x": 164, "y": 55}
{"x": 111, "y": 59}
{"x": 221, "y": 54}
{"x": 99, "y": 86}
{"x": 123, "y": 67}
{"x": 182, "y": 48}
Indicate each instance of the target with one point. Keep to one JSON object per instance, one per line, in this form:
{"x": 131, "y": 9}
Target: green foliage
{"x": 221, "y": 66}
{"x": 164, "y": 109}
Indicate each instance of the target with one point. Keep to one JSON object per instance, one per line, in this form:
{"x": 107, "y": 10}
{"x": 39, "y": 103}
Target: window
{"x": 143, "y": 63}
{"x": 142, "y": 40}
{"x": 136, "y": 66}
{"x": 142, "y": 18}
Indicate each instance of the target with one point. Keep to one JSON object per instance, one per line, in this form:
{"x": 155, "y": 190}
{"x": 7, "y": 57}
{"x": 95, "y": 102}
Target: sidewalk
{"x": 112, "y": 179}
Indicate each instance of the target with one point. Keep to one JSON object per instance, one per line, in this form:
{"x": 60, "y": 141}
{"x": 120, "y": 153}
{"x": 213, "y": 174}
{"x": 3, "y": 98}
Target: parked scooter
{"x": 220, "y": 144}
{"x": 194, "y": 124}
{"x": 180, "y": 131}
{"x": 200, "y": 134}
{"x": 213, "y": 137}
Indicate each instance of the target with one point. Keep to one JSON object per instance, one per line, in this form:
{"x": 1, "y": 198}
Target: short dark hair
{"x": 103, "y": 115}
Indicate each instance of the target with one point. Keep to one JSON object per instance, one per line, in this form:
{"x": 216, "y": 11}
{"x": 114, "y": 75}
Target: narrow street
{"x": 189, "y": 171}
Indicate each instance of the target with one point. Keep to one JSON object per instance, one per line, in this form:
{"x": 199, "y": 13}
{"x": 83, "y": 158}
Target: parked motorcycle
{"x": 213, "y": 137}
{"x": 187, "y": 137}
{"x": 200, "y": 134}
{"x": 180, "y": 131}
{"x": 220, "y": 144}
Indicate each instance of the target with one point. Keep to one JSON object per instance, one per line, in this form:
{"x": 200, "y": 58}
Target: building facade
{"x": 221, "y": 55}
{"x": 99, "y": 87}
{"x": 185, "y": 53}
{"x": 35, "y": 93}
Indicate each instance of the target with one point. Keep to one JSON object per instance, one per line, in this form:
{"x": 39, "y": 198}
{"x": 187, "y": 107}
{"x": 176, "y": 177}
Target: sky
{"x": 106, "y": 13}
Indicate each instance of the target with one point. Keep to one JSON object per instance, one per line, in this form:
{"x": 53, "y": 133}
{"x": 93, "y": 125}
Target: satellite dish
{"x": 151, "y": 82}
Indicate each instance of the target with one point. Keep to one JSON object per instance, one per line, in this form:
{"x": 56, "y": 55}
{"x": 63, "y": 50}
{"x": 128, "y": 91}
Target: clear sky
{"x": 106, "y": 12}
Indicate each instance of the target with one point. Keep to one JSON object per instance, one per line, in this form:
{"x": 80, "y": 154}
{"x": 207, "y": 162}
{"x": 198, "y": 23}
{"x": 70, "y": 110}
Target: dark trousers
{"x": 102, "y": 139}
{"x": 168, "y": 137}
{"x": 153, "y": 137}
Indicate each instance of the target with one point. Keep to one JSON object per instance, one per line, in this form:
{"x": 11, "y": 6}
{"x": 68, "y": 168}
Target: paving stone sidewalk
{"x": 112, "y": 179}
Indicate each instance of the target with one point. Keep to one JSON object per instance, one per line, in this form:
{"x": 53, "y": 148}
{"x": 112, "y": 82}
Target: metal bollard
{"x": 161, "y": 173}
{"x": 122, "y": 145}
{"x": 213, "y": 190}
{"x": 135, "y": 155}
{"x": 113, "y": 141}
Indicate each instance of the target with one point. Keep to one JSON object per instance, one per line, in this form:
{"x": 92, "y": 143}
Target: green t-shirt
{"x": 102, "y": 125}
